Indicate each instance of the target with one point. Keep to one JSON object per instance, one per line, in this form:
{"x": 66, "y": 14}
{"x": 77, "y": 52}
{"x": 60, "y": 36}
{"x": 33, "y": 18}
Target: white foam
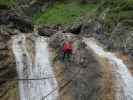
{"x": 35, "y": 89}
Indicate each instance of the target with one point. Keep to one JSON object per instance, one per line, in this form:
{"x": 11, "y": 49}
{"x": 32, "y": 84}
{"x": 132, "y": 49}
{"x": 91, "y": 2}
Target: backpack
{"x": 67, "y": 46}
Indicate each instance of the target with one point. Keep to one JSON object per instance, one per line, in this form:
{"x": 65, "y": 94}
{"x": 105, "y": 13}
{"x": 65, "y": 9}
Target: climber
{"x": 67, "y": 50}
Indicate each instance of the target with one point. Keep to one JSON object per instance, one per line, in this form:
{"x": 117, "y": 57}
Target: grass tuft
{"x": 8, "y": 3}
{"x": 64, "y": 14}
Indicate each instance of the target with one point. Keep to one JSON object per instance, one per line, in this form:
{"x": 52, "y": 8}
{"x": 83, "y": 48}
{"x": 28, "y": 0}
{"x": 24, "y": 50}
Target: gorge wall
{"x": 8, "y": 86}
{"x": 10, "y": 25}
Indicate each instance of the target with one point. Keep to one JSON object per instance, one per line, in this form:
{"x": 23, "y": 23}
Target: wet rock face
{"x": 37, "y": 5}
{"x": 91, "y": 28}
{"x": 88, "y": 1}
{"x": 9, "y": 17}
{"x": 23, "y": 24}
{"x": 75, "y": 29}
{"x": 29, "y": 7}
{"x": 88, "y": 78}
{"x": 46, "y": 31}
{"x": 8, "y": 89}
{"x": 119, "y": 38}
{"x": 82, "y": 75}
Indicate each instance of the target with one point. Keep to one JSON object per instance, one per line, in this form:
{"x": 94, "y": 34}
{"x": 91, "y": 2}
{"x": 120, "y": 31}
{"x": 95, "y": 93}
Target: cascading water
{"x": 124, "y": 79}
{"x": 33, "y": 86}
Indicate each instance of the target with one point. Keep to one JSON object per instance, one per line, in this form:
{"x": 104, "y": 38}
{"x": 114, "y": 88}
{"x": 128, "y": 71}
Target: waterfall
{"x": 41, "y": 83}
{"x": 124, "y": 79}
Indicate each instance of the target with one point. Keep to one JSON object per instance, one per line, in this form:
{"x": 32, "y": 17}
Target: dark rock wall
{"x": 89, "y": 1}
{"x": 119, "y": 38}
{"x": 15, "y": 21}
{"x": 8, "y": 87}
{"x": 10, "y": 24}
{"x": 29, "y": 7}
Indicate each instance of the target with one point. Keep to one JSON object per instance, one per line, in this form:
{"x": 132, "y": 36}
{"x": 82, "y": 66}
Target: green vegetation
{"x": 117, "y": 11}
{"x": 9, "y": 3}
{"x": 63, "y": 13}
